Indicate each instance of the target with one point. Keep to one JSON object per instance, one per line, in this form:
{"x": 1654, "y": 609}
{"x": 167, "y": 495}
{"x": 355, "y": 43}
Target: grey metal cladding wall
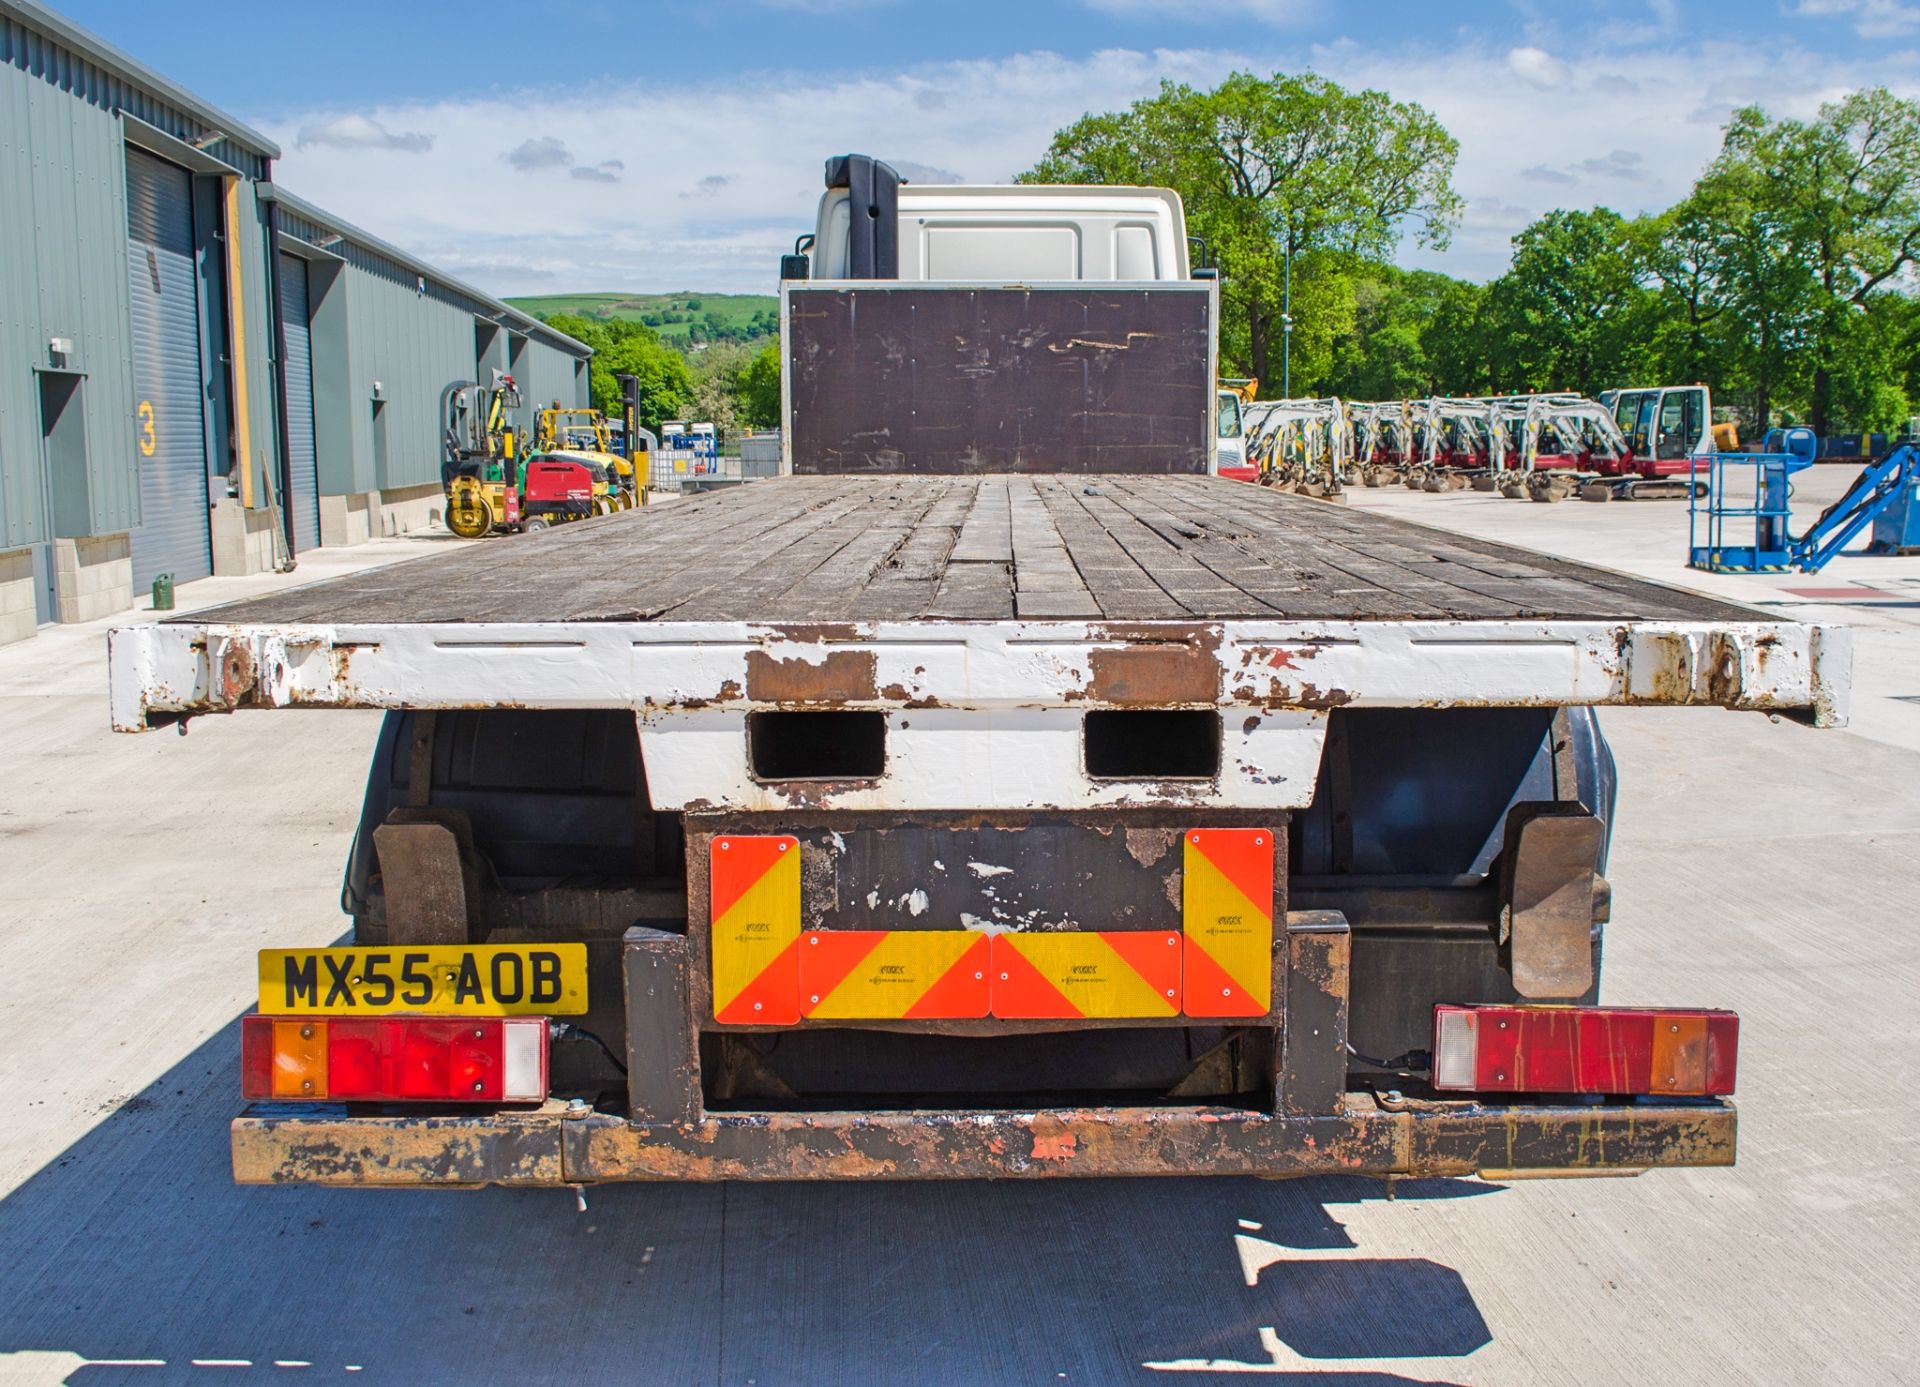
{"x": 413, "y": 334}
{"x": 54, "y": 67}
{"x": 549, "y": 376}
{"x": 21, "y": 342}
{"x": 63, "y": 273}
{"x": 414, "y": 344}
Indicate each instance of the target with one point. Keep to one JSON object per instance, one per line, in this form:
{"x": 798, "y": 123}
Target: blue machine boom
{"x": 1883, "y": 495}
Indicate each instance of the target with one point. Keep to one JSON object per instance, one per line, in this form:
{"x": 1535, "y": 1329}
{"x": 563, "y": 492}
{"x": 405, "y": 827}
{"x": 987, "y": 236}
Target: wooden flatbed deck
{"x": 992, "y": 548}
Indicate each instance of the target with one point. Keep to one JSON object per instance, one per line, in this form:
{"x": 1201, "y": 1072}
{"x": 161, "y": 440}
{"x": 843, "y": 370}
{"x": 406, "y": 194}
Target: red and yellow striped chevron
{"x": 1049, "y": 976}
{"x": 1228, "y": 922}
{"x": 755, "y": 908}
{"x": 766, "y": 972}
{"x": 879, "y": 974}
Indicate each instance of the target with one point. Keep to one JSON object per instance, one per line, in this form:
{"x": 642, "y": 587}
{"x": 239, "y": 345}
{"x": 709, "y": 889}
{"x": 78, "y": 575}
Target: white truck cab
{"x": 1021, "y": 233}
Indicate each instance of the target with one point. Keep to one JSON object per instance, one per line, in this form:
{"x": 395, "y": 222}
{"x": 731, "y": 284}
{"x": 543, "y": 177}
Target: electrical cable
{"x": 1412, "y": 1062}
{"x": 566, "y": 1030}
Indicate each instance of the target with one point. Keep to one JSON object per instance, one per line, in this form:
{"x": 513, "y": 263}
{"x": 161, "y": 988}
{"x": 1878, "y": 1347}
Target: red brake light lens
{"x": 1600, "y": 1050}
{"x": 395, "y": 1059}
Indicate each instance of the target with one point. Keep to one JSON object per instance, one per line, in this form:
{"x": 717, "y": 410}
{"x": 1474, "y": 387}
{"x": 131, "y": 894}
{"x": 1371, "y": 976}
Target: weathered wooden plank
{"x": 987, "y": 535}
{"x": 974, "y": 592}
{"x": 982, "y": 548}
{"x": 716, "y": 577}
{"x": 1118, "y": 583}
{"x": 906, "y": 584}
{"x": 1182, "y": 576}
{"x": 649, "y": 580}
{"x": 1377, "y": 587}
{"x": 786, "y": 556}
{"x": 831, "y": 590}
{"x": 1045, "y": 582}
{"x": 1260, "y": 571}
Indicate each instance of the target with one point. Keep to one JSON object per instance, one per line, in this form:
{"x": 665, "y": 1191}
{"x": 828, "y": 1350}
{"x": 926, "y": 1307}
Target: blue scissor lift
{"x": 1883, "y": 495}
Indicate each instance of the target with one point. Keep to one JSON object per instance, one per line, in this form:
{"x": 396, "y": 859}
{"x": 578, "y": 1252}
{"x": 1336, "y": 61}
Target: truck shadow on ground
{"x": 133, "y": 1247}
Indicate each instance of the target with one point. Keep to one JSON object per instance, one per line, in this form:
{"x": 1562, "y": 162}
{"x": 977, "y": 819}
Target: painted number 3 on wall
{"x": 147, "y": 437}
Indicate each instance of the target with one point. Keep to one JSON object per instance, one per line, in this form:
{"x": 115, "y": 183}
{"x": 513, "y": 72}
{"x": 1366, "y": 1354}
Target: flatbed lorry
{"x": 997, "y": 793}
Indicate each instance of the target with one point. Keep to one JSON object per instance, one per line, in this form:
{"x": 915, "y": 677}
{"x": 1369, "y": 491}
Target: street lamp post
{"x": 1286, "y": 327}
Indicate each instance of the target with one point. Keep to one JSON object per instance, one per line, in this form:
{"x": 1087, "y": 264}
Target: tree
{"x": 1873, "y": 362}
{"x": 1682, "y": 253}
{"x": 1571, "y": 304}
{"x": 1843, "y": 193}
{"x": 1456, "y": 365}
{"x": 759, "y": 389}
{"x": 1767, "y": 297}
{"x": 713, "y": 403}
{"x": 1272, "y": 167}
{"x": 1412, "y": 336}
{"x": 629, "y": 348}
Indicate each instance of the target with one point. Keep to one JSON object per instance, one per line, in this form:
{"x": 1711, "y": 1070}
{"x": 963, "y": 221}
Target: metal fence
{"x": 687, "y": 469}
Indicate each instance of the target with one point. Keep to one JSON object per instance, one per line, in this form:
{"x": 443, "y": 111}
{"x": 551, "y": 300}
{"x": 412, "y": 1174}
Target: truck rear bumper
{"x": 558, "y": 1146}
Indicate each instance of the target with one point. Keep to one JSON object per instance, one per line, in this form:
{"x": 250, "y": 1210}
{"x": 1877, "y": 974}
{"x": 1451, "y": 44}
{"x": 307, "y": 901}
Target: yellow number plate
{"x": 428, "y": 980}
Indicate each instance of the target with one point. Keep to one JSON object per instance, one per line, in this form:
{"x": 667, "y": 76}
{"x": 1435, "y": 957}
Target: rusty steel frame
{"x": 980, "y": 715}
{"x": 189, "y": 667}
{"x": 555, "y": 1146}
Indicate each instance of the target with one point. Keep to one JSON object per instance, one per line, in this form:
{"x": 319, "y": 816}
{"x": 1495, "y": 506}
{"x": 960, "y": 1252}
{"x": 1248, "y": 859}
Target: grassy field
{"x": 674, "y": 316}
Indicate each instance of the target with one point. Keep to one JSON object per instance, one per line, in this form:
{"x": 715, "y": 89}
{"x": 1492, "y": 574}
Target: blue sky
{"x": 670, "y": 145}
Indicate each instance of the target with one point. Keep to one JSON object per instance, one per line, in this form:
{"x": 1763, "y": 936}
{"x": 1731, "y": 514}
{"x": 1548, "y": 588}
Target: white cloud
{"x": 1540, "y": 173}
{"x": 1507, "y": 131}
{"x": 983, "y": 121}
{"x": 1491, "y": 211}
{"x": 358, "y": 132}
{"x": 710, "y": 186}
{"x": 1275, "y": 12}
{"x": 543, "y": 152}
{"x": 992, "y": 120}
{"x": 1873, "y": 19}
{"x": 1537, "y": 66}
{"x": 1622, "y": 164}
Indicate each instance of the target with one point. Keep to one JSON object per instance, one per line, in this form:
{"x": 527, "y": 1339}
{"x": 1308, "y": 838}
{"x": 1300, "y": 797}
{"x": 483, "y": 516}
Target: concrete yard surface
{"x": 1757, "y": 865}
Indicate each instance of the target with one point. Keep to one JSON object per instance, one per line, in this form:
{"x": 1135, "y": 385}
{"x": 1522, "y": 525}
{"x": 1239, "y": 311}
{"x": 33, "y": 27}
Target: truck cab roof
{"x": 1019, "y": 233}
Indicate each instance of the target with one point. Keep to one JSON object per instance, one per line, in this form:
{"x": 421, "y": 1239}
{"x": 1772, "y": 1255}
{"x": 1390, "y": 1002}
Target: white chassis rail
{"x": 980, "y": 715}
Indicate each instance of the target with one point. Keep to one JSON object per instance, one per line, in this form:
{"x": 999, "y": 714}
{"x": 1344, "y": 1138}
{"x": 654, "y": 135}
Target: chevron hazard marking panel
{"x": 1049, "y": 976}
{"x": 1228, "y": 912}
{"x": 884, "y": 974}
{"x": 755, "y": 908}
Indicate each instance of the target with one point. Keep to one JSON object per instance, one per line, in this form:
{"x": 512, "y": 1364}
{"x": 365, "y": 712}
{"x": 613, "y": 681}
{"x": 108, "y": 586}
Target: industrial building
{"x": 201, "y": 373}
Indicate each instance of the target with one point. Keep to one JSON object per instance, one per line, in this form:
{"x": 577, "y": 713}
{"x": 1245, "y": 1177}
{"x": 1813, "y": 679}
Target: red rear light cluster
{"x": 398, "y": 1059}
{"x": 1604, "y": 1050}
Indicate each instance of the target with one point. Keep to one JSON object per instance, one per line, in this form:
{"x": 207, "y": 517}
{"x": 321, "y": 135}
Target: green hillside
{"x": 678, "y": 318}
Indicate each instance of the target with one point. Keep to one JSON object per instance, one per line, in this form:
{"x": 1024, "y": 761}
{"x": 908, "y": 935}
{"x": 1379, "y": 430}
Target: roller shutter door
{"x": 304, "y": 501}
{"x": 169, "y": 431}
